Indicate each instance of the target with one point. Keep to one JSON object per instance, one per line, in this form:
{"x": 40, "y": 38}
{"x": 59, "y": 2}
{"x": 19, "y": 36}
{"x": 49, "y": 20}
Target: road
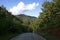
{"x": 28, "y": 36}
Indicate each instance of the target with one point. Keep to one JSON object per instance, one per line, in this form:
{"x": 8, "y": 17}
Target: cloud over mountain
{"x": 21, "y": 7}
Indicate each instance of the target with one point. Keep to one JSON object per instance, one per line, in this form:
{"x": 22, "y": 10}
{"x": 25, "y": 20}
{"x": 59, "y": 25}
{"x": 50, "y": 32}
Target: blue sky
{"x": 23, "y": 6}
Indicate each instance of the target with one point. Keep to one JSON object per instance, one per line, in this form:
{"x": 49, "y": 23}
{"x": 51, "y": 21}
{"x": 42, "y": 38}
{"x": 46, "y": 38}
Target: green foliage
{"x": 50, "y": 16}
{"x": 48, "y": 19}
{"x": 10, "y": 23}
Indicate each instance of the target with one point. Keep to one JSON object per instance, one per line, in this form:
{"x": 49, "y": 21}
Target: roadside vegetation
{"x": 46, "y": 25}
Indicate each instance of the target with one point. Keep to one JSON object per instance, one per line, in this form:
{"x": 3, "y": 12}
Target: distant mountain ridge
{"x": 26, "y": 19}
{"x": 23, "y": 15}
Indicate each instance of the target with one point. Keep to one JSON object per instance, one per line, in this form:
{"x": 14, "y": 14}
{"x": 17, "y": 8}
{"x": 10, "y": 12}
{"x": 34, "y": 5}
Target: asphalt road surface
{"x": 28, "y": 36}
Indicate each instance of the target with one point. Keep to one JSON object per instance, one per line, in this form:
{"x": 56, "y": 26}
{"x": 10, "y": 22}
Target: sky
{"x": 27, "y": 7}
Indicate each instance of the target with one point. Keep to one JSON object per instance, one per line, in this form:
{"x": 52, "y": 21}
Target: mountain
{"x": 27, "y": 20}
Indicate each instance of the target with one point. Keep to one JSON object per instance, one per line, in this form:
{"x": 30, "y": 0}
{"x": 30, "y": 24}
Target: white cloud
{"x": 20, "y": 7}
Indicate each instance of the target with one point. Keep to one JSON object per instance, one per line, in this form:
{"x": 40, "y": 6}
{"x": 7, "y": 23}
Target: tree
{"x": 49, "y": 17}
{"x": 10, "y": 23}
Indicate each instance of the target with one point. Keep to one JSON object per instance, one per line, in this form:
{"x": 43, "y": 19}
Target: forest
{"x": 47, "y": 24}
